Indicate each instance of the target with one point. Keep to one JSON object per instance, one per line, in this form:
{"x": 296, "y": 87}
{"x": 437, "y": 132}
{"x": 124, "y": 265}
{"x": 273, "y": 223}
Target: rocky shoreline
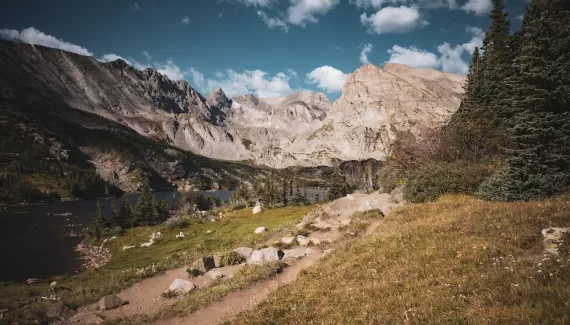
{"x": 93, "y": 256}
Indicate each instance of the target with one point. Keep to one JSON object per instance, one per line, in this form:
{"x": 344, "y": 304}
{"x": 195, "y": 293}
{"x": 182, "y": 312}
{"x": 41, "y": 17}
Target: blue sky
{"x": 266, "y": 47}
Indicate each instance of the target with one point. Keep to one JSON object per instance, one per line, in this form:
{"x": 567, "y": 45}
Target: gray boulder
{"x": 110, "y": 302}
{"x": 181, "y": 287}
{"x": 270, "y": 254}
{"x": 218, "y": 260}
{"x": 288, "y": 240}
{"x": 215, "y": 274}
{"x": 303, "y": 241}
{"x": 297, "y": 253}
{"x": 60, "y": 311}
{"x": 260, "y": 230}
{"x": 244, "y": 251}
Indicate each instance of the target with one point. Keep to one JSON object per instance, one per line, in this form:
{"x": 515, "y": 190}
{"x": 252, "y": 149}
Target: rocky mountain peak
{"x": 218, "y": 98}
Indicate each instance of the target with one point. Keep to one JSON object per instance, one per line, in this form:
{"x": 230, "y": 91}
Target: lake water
{"x": 35, "y": 240}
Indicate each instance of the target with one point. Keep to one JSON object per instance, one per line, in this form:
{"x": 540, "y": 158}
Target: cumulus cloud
{"x": 185, "y": 20}
{"x": 479, "y": 7}
{"x": 292, "y": 73}
{"x": 110, "y": 57}
{"x": 476, "y": 39}
{"x": 234, "y": 83}
{"x": 429, "y": 4}
{"x": 169, "y": 69}
{"x": 273, "y": 22}
{"x": 255, "y": 3}
{"x": 364, "y": 53}
{"x": 413, "y": 57}
{"x": 146, "y": 55}
{"x": 451, "y": 60}
{"x": 33, "y": 36}
{"x": 301, "y": 12}
{"x": 327, "y": 78}
{"x": 393, "y": 20}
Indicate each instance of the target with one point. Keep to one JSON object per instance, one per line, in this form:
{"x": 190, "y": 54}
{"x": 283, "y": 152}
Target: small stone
{"x": 215, "y": 274}
{"x": 53, "y": 284}
{"x": 303, "y": 241}
{"x": 260, "y": 230}
{"x": 257, "y": 209}
{"x": 60, "y": 311}
{"x": 181, "y": 286}
{"x": 110, "y": 302}
{"x": 288, "y": 240}
{"x": 209, "y": 232}
{"x": 128, "y": 247}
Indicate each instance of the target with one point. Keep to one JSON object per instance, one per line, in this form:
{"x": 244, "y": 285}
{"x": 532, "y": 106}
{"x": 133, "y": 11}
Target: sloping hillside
{"x": 455, "y": 261}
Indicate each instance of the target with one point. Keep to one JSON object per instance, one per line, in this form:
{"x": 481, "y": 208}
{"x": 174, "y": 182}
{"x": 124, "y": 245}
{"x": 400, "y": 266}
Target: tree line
{"x": 509, "y": 139}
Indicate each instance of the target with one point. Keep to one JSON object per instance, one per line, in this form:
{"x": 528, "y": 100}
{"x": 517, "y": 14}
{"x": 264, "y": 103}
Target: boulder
{"x": 296, "y": 253}
{"x": 204, "y": 264}
{"x": 60, "y": 311}
{"x": 303, "y": 241}
{"x": 147, "y": 244}
{"x": 257, "y": 208}
{"x": 244, "y": 251}
{"x": 288, "y": 240}
{"x": 181, "y": 287}
{"x": 218, "y": 260}
{"x": 128, "y": 247}
{"x": 270, "y": 254}
{"x": 53, "y": 284}
{"x": 110, "y": 302}
{"x": 260, "y": 230}
{"x": 215, "y": 274}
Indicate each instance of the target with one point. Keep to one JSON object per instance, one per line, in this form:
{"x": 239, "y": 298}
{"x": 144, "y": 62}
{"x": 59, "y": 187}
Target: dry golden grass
{"x": 455, "y": 261}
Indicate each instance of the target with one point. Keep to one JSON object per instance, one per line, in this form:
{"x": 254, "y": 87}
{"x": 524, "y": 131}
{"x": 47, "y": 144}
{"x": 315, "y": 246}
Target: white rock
{"x": 181, "y": 286}
{"x": 296, "y": 253}
{"x": 288, "y": 240}
{"x": 260, "y": 230}
{"x": 147, "y": 244}
{"x": 244, "y": 251}
{"x": 215, "y": 274}
{"x": 128, "y": 247}
{"x": 209, "y": 232}
{"x": 180, "y": 235}
{"x": 53, "y": 284}
{"x": 303, "y": 241}
{"x": 257, "y": 208}
{"x": 270, "y": 254}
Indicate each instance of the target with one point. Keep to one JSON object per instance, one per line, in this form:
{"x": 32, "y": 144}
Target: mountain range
{"x": 43, "y": 85}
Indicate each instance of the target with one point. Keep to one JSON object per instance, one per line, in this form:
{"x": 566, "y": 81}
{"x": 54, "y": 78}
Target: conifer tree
{"x": 338, "y": 187}
{"x": 539, "y": 110}
{"x": 98, "y": 223}
{"x": 284, "y": 192}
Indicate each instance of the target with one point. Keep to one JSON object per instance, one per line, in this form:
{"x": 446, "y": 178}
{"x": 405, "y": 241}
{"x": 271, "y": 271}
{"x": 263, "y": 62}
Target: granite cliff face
{"x": 301, "y": 129}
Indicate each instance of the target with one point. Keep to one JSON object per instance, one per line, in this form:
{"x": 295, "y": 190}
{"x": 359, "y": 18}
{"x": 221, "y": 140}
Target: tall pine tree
{"x": 539, "y": 151}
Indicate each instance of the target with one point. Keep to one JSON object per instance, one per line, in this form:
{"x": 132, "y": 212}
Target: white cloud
{"x": 273, "y": 22}
{"x": 185, "y": 20}
{"x": 327, "y": 78}
{"x": 255, "y": 3}
{"x": 476, "y": 40}
{"x": 233, "y": 83}
{"x": 413, "y": 57}
{"x": 368, "y": 3}
{"x": 169, "y": 69}
{"x": 393, "y": 20}
{"x": 146, "y": 55}
{"x": 364, "y": 53}
{"x": 479, "y": 7}
{"x": 302, "y": 12}
{"x": 451, "y": 60}
{"x": 292, "y": 73}
{"x": 31, "y": 35}
{"x": 136, "y": 6}
{"x": 429, "y": 4}
{"x": 110, "y": 57}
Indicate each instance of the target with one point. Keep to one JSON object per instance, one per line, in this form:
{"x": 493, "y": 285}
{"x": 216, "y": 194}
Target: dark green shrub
{"x": 430, "y": 181}
{"x": 193, "y": 272}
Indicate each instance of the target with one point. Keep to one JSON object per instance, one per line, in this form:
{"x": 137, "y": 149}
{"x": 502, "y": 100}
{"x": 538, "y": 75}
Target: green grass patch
{"x": 127, "y": 267}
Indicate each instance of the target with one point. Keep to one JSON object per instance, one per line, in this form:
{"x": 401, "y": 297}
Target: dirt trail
{"x": 241, "y": 300}
{"x": 144, "y": 297}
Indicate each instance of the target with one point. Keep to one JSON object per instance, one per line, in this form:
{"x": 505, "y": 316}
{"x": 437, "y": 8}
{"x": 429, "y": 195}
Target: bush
{"x": 430, "y": 181}
{"x": 177, "y": 222}
{"x": 193, "y": 273}
{"x": 232, "y": 258}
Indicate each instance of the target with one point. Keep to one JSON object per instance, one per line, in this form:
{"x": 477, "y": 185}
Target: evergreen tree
{"x": 284, "y": 192}
{"x": 123, "y": 217}
{"x": 161, "y": 211}
{"x": 144, "y": 211}
{"x": 496, "y": 64}
{"x": 539, "y": 154}
{"x": 98, "y": 223}
{"x": 298, "y": 198}
{"x": 338, "y": 187}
